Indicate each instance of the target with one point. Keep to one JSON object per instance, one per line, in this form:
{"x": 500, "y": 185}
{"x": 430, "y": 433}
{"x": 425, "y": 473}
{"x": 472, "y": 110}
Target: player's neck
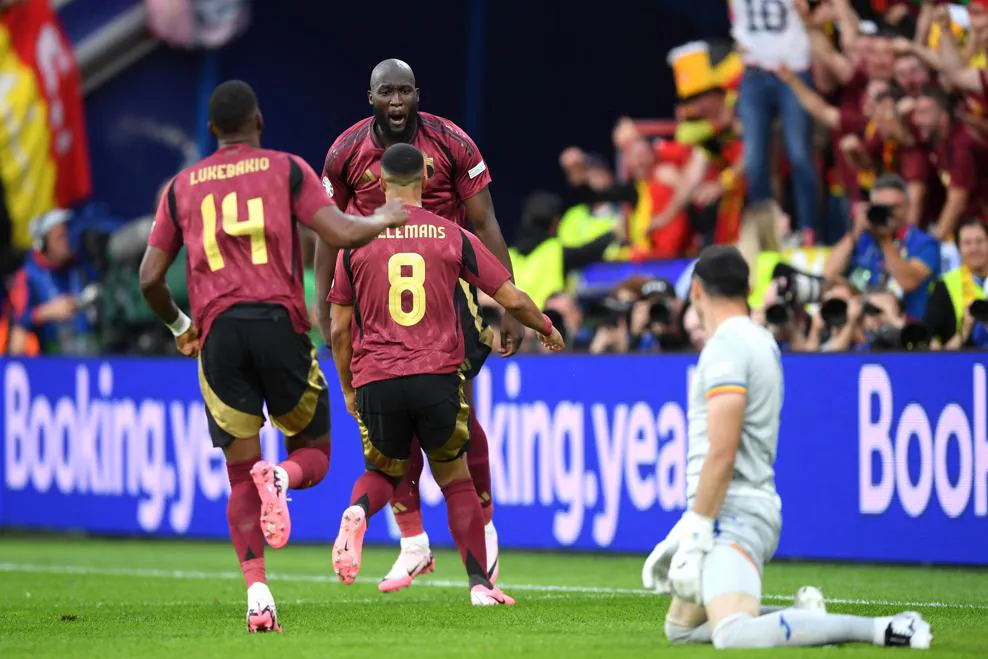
{"x": 721, "y": 311}
{"x": 239, "y": 140}
{"x": 406, "y": 198}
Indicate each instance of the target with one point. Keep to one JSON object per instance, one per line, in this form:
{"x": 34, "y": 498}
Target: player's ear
{"x": 370, "y": 97}
{"x": 260, "y": 122}
{"x": 384, "y": 185}
{"x": 212, "y": 130}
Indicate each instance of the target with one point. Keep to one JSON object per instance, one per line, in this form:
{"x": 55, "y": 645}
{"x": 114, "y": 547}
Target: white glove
{"x": 655, "y": 571}
{"x": 696, "y": 539}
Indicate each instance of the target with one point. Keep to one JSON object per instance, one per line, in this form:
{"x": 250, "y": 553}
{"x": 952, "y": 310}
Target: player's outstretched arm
{"x": 521, "y": 307}
{"x": 480, "y": 214}
{"x": 337, "y": 229}
{"x": 342, "y": 345}
{"x": 325, "y": 266}
{"x": 154, "y": 267}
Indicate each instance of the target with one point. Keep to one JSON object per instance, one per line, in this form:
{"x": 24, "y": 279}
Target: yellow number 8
{"x": 413, "y": 284}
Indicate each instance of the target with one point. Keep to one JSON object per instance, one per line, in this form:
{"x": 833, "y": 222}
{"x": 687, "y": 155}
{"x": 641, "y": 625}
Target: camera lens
{"x": 979, "y": 311}
{"x": 834, "y": 312}
{"x": 777, "y": 314}
{"x": 879, "y": 215}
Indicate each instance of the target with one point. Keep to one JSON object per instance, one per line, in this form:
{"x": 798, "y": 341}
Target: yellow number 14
{"x": 414, "y": 284}
{"x": 253, "y": 226}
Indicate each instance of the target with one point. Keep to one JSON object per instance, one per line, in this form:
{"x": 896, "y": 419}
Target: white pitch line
{"x": 87, "y": 570}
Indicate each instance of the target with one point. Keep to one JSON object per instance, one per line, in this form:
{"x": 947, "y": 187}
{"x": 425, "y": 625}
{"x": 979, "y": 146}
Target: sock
{"x": 678, "y": 633}
{"x": 405, "y": 503}
{"x": 243, "y": 512}
{"x": 793, "y": 627}
{"x": 480, "y": 468}
{"x": 466, "y": 524}
{"x": 306, "y": 466}
{"x": 371, "y": 492}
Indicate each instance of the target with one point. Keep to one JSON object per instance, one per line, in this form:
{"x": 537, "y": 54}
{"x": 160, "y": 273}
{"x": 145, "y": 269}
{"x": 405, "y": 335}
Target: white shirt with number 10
{"x": 770, "y": 34}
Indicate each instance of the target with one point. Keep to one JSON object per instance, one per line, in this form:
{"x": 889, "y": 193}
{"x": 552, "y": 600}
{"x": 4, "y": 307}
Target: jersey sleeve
{"x": 166, "y": 234}
{"x": 479, "y": 267}
{"x": 341, "y": 291}
{"x": 472, "y": 174}
{"x": 725, "y": 367}
{"x": 308, "y": 194}
{"x": 332, "y": 178}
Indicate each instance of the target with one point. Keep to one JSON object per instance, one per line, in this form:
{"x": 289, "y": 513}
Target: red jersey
{"x": 961, "y": 161}
{"x": 456, "y": 170}
{"x": 235, "y": 212}
{"x": 401, "y": 289}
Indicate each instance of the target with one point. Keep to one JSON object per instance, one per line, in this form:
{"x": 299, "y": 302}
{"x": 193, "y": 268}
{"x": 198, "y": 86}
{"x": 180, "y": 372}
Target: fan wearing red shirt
{"x": 236, "y": 213}
{"x": 458, "y": 188}
{"x": 960, "y": 159}
{"x": 398, "y": 348}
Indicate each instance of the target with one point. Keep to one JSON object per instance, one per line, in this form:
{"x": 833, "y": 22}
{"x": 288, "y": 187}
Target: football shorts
{"x": 431, "y": 408}
{"x": 477, "y": 336}
{"x": 252, "y": 356}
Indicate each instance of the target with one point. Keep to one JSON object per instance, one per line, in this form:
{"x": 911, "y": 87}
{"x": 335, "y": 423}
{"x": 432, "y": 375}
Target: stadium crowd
{"x": 860, "y": 134}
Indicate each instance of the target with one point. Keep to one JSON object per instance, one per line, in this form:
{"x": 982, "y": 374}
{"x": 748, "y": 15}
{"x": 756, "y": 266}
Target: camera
{"x": 915, "y": 336}
{"x": 834, "y": 312}
{"x": 979, "y": 311}
{"x": 879, "y": 216}
{"x": 604, "y": 310}
{"x": 657, "y": 292}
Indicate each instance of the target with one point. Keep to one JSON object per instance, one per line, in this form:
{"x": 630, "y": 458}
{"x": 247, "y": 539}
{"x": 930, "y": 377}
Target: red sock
{"x": 466, "y": 524}
{"x": 480, "y": 467}
{"x": 243, "y": 512}
{"x": 306, "y": 466}
{"x": 372, "y": 491}
{"x": 405, "y": 503}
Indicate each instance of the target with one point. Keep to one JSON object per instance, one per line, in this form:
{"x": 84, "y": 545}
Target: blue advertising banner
{"x": 881, "y": 457}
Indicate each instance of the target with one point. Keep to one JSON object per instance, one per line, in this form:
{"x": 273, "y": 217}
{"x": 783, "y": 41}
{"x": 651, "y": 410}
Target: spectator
{"x": 712, "y": 177}
{"x": 949, "y": 315}
{"x": 539, "y": 259}
{"x": 56, "y": 290}
{"x": 771, "y": 36}
{"x": 881, "y": 250}
{"x": 595, "y": 207}
{"x": 960, "y": 159}
{"x": 14, "y": 339}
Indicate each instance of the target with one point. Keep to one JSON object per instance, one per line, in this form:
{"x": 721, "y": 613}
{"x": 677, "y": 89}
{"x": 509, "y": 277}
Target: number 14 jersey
{"x": 401, "y": 289}
{"x": 235, "y": 212}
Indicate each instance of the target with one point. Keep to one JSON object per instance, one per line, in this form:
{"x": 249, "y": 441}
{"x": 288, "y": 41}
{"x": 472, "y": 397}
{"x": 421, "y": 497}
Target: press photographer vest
{"x": 954, "y": 281}
{"x": 540, "y": 272}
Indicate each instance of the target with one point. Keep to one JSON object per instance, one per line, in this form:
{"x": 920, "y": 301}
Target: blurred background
{"x": 846, "y": 155}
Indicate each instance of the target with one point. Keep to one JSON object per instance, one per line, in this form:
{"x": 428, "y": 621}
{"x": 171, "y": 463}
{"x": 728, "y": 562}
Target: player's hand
{"x": 686, "y": 570}
{"x": 350, "y": 396}
{"x": 188, "y": 342}
{"x": 655, "y": 571}
{"x": 554, "y": 342}
{"x": 512, "y": 335}
{"x": 394, "y": 213}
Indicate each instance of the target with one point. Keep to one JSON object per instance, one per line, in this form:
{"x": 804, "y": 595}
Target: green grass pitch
{"x": 71, "y": 597}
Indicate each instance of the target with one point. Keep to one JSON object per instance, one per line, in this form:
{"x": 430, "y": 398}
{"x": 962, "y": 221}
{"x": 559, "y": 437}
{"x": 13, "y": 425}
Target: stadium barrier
{"x": 881, "y": 457}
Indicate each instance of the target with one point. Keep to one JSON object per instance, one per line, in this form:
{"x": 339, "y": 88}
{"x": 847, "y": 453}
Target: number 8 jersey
{"x": 236, "y": 214}
{"x": 770, "y": 34}
{"x": 401, "y": 289}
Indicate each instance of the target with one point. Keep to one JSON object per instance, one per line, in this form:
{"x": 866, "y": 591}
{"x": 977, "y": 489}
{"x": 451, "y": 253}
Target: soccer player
{"x": 458, "y": 190}
{"x": 398, "y": 347}
{"x": 731, "y": 528}
{"x": 235, "y": 212}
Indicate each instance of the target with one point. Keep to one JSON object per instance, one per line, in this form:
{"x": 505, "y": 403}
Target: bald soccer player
{"x": 457, "y": 189}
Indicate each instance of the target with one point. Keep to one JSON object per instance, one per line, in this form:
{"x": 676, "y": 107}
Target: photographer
{"x": 957, "y": 314}
{"x": 831, "y": 317}
{"x": 882, "y": 250}
{"x": 654, "y": 316}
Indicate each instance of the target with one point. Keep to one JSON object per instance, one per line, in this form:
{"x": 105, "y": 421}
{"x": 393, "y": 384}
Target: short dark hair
{"x": 972, "y": 222}
{"x": 893, "y": 92}
{"x": 402, "y": 164}
{"x": 894, "y": 181}
{"x": 723, "y": 272}
{"x": 231, "y": 105}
